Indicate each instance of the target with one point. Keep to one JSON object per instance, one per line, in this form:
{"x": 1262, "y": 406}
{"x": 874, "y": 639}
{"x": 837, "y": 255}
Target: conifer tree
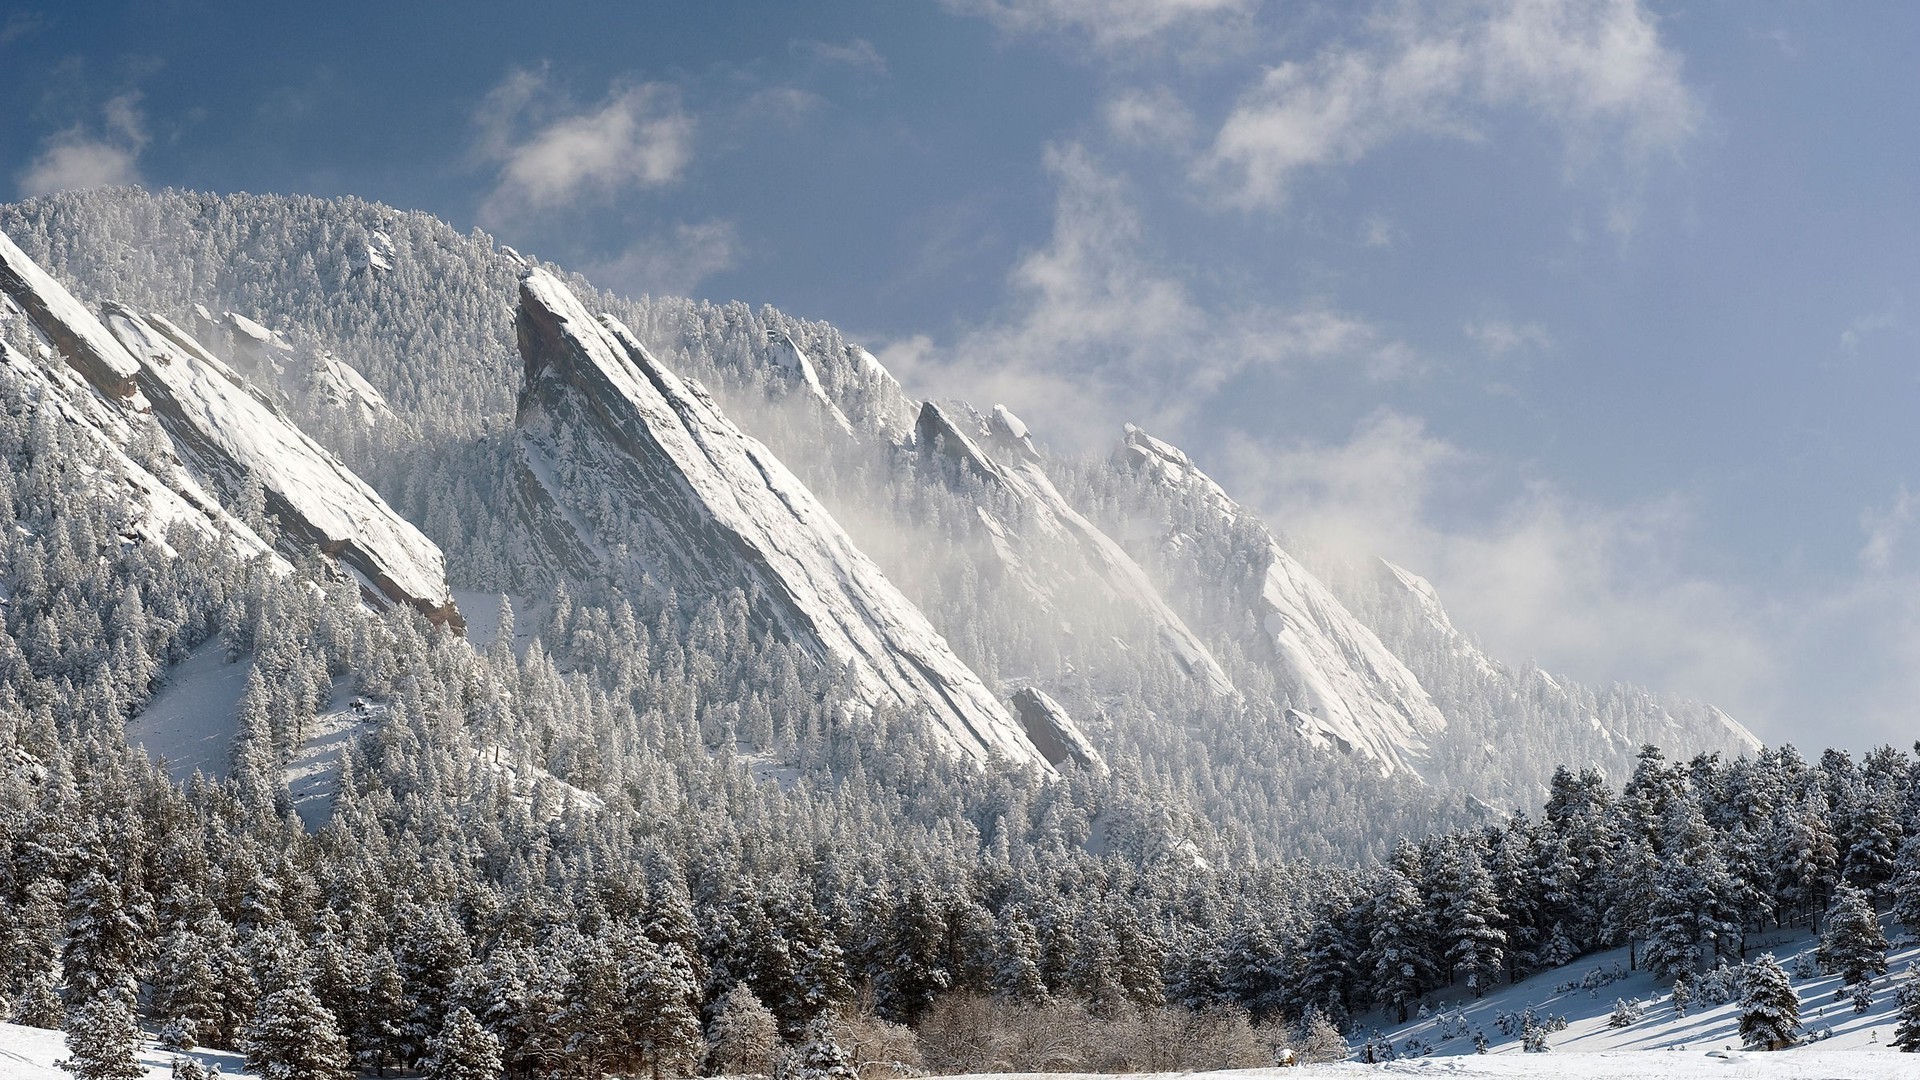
{"x": 463, "y": 1050}
{"x": 744, "y": 1038}
{"x": 1852, "y": 944}
{"x": 1906, "y": 1035}
{"x": 819, "y": 1056}
{"x": 1397, "y": 954}
{"x": 103, "y": 1041}
{"x": 1470, "y": 916}
{"x": 294, "y": 1037}
{"x": 1769, "y": 1009}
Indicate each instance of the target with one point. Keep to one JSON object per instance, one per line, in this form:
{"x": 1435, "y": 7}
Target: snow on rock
{"x": 1672, "y": 722}
{"x": 231, "y": 433}
{"x": 66, "y": 323}
{"x": 270, "y": 362}
{"x": 790, "y": 358}
{"x": 1426, "y": 604}
{"x": 1050, "y": 729}
{"x": 1351, "y": 687}
{"x": 1058, "y": 528}
{"x": 893, "y": 410}
{"x": 156, "y": 502}
{"x": 638, "y": 461}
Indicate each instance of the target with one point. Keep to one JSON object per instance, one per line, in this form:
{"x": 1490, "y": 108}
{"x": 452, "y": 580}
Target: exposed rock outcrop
{"x": 644, "y": 467}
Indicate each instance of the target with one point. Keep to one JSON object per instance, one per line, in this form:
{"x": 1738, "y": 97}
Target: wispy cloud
{"x": 1152, "y": 117}
{"x": 1106, "y": 25}
{"x": 858, "y": 54}
{"x": 552, "y": 154}
{"x": 91, "y": 155}
{"x": 19, "y": 24}
{"x": 1600, "y": 592}
{"x": 672, "y": 263}
{"x": 1595, "y": 69}
{"x": 1097, "y": 333}
{"x": 1499, "y": 337}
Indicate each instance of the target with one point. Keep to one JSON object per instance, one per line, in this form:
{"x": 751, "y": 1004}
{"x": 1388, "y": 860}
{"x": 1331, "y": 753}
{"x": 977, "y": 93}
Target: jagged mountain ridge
{"x": 225, "y": 437}
{"x": 356, "y": 308}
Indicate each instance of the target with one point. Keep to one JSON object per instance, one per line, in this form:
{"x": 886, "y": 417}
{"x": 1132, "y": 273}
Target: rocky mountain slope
{"x": 227, "y": 437}
{"x": 939, "y": 555}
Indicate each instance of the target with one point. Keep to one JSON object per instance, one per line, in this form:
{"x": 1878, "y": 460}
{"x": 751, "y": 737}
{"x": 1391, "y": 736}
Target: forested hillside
{"x": 733, "y": 697}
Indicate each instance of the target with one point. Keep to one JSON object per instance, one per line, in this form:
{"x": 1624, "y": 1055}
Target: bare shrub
{"x": 968, "y": 1033}
{"x": 878, "y": 1049}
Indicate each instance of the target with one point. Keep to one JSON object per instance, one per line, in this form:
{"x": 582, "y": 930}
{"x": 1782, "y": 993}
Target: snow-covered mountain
{"x": 1048, "y": 547}
{"x": 939, "y": 554}
{"x": 645, "y": 467}
{"x": 222, "y": 437}
{"x": 1346, "y": 687}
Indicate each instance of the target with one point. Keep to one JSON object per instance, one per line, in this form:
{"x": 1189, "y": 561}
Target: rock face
{"x": 66, "y": 323}
{"x": 1056, "y": 550}
{"x": 157, "y": 499}
{"x": 232, "y": 433}
{"x": 223, "y": 432}
{"x": 1054, "y": 733}
{"x": 643, "y": 467}
{"x": 1347, "y": 687}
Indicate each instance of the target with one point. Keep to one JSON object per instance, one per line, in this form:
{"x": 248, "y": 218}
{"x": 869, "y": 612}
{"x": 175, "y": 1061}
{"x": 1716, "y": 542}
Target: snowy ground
{"x": 29, "y": 1053}
{"x": 191, "y": 721}
{"x": 1660, "y": 1044}
{"x": 1804, "y": 1064}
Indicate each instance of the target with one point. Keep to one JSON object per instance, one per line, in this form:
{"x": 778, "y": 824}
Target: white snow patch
{"x": 28, "y": 1053}
{"x": 189, "y": 722}
{"x": 1647, "y": 1047}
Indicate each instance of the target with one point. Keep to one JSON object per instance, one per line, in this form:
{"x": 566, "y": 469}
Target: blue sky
{"x": 1598, "y": 314}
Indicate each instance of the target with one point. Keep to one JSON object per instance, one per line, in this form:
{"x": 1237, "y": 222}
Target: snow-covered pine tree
{"x": 1397, "y": 955}
{"x": 1769, "y": 1010}
{"x": 103, "y": 1041}
{"x": 1906, "y": 884}
{"x": 744, "y": 1038}
{"x": 818, "y": 1057}
{"x": 1852, "y": 945}
{"x": 1470, "y": 919}
{"x": 463, "y": 1050}
{"x": 1906, "y": 1035}
{"x": 294, "y": 1037}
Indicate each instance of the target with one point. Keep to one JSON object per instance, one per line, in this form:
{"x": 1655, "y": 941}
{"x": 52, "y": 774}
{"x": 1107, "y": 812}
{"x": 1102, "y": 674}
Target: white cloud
{"x": 1097, "y": 334}
{"x": 1885, "y": 527}
{"x": 1154, "y": 117}
{"x": 550, "y": 155}
{"x": 1105, "y": 24}
{"x": 674, "y": 263}
{"x": 1596, "y": 69}
{"x": 1498, "y": 337}
{"x": 83, "y": 157}
{"x": 858, "y": 54}
{"x": 1890, "y": 318}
